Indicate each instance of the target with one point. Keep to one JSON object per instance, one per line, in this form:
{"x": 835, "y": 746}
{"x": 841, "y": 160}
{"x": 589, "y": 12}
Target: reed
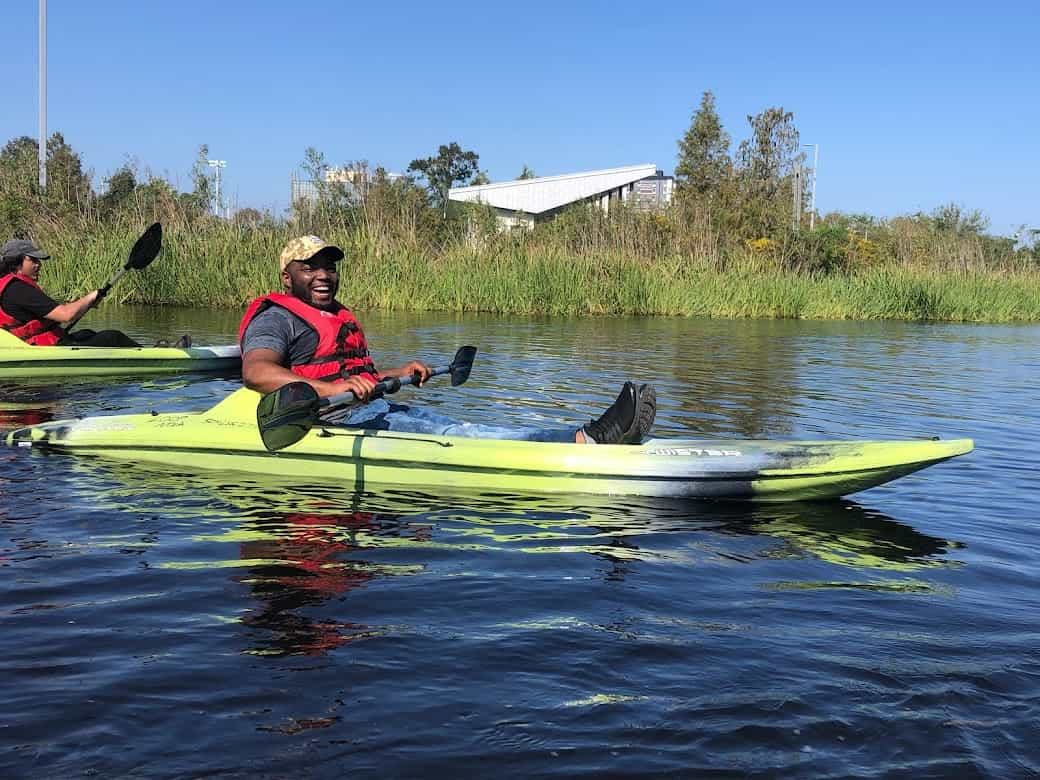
{"x": 685, "y": 261}
{"x": 221, "y": 265}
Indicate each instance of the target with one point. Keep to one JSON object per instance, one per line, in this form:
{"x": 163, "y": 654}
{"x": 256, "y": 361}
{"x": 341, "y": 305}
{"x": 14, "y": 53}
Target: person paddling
{"x": 32, "y": 315}
{"x": 305, "y": 333}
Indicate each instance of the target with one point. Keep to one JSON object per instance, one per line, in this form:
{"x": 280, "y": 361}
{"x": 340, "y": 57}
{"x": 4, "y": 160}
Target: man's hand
{"x": 414, "y": 368}
{"x": 360, "y": 386}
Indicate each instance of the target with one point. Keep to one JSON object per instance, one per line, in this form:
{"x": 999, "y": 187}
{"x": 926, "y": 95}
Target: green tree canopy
{"x": 764, "y": 173}
{"x": 67, "y": 182}
{"x": 704, "y": 161}
{"x": 526, "y": 173}
{"x": 68, "y": 190}
{"x": 770, "y": 154}
{"x": 452, "y": 164}
{"x": 119, "y": 187}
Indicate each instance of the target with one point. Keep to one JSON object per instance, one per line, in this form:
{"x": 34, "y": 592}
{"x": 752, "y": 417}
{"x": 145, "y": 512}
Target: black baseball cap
{"x": 19, "y": 247}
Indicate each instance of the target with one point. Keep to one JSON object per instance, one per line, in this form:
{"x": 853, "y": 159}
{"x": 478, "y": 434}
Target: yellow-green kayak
{"x": 226, "y": 438}
{"x": 19, "y": 360}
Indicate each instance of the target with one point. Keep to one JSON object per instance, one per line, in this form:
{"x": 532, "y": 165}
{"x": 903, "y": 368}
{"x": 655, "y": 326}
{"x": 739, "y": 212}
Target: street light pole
{"x": 812, "y": 196}
{"x": 43, "y": 97}
{"x": 217, "y": 164}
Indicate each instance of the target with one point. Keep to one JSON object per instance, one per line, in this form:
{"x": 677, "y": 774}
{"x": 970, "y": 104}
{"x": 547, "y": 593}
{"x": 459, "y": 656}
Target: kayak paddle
{"x": 144, "y": 251}
{"x": 285, "y": 415}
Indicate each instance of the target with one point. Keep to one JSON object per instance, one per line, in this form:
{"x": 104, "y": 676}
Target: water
{"x": 160, "y": 624}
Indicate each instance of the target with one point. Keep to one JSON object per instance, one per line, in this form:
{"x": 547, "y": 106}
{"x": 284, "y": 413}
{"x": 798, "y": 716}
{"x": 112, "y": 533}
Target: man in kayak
{"x": 305, "y": 334}
{"x": 32, "y": 315}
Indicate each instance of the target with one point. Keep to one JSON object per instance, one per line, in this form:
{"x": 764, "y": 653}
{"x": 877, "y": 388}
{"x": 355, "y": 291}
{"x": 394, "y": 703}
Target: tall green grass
{"x": 582, "y": 263}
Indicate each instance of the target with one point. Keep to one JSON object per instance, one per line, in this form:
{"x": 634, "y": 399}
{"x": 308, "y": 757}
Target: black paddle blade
{"x": 462, "y": 365}
{"x": 285, "y": 416}
{"x": 146, "y": 248}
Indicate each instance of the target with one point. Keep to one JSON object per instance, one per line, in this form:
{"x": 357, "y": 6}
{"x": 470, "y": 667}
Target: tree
{"x": 765, "y": 173}
{"x": 480, "y": 178}
{"x": 336, "y": 190}
{"x": 119, "y": 187}
{"x": 770, "y": 154}
{"x": 201, "y": 193}
{"x": 704, "y": 161}
{"x": 18, "y": 186}
{"x": 18, "y": 149}
{"x": 67, "y": 183}
{"x": 952, "y": 218}
{"x": 451, "y": 165}
{"x": 526, "y": 173}
{"x": 248, "y": 217}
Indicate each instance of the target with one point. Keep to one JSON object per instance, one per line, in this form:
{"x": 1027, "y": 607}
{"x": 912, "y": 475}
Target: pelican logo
{"x": 697, "y": 451}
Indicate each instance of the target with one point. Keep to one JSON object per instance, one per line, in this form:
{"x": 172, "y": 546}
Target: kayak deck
{"x": 17, "y": 363}
{"x": 226, "y": 438}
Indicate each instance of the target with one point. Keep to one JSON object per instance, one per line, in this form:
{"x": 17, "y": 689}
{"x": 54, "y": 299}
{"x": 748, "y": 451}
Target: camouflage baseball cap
{"x": 19, "y": 247}
{"x": 306, "y": 247}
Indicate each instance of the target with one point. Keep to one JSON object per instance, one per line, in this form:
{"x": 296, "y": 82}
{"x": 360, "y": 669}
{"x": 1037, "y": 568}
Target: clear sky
{"x": 913, "y": 104}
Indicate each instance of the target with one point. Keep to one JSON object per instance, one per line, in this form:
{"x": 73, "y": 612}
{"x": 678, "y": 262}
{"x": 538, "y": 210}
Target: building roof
{"x": 545, "y": 193}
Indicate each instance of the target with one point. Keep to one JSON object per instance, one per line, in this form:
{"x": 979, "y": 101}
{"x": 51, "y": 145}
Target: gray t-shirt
{"x": 282, "y": 331}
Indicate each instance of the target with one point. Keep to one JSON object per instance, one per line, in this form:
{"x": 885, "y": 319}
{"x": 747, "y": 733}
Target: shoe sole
{"x": 646, "y": 411}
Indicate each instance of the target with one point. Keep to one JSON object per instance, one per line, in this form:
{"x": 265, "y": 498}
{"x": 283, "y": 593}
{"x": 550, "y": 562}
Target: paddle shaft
{"x": 285, "y": 415}
{"x": 144, "y": 251}
{"x": 383, "y": 387}
{"x": 102, "y": 292}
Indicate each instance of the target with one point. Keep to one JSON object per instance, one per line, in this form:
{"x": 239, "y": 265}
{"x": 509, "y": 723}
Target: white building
{"x": 526, "y": 201}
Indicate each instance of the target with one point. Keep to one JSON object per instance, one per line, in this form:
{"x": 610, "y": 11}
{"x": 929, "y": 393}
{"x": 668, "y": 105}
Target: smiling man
{"x": 305, "y": 334}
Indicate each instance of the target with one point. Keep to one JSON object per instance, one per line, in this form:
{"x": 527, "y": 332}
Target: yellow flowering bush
{"x": 761, "y": 246}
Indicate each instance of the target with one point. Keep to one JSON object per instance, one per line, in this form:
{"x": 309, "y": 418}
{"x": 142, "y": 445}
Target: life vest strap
{"x": 368, "y": 368}
{"x": 348, "y": 354}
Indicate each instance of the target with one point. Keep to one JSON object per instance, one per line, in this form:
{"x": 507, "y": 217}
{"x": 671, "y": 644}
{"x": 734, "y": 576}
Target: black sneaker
{"x": 646, "y": 411}
{"x": 616, "y": 424}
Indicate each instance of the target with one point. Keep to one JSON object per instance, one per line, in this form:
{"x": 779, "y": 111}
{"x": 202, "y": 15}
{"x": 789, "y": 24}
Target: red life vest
{"x": 342, "y": 349}
{"x": 39, "y": 333}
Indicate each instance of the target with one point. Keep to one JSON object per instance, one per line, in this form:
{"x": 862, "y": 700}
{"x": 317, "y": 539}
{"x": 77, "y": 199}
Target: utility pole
{"x": 812, "y": 196}
{"x": 217, "y": 164}
{"x": 43, "y": 97}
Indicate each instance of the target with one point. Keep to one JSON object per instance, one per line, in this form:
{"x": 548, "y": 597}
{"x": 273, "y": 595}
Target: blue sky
{"x": 913, "y": 105}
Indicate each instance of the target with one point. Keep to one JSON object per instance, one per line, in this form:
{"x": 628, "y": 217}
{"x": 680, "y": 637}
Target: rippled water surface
{"x": 166, "y": 624}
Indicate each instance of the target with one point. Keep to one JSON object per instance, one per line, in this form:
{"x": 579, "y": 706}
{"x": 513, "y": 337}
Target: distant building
{"x": 653, "y": 192}
{"x": 356, "y": 182}
{"x": 523, "y": 202}
{"x": 302, "y": 189}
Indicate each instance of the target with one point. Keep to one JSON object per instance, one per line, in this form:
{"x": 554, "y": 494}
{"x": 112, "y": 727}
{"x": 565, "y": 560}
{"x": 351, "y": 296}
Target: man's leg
{"x": 105, "y": 338}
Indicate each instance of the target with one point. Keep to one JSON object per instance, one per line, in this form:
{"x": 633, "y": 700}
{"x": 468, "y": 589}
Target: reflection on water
{"x": 298, "y": 561}
{"x": 20, "y": 415}
{"x": 213, "y": 624}
{"x": 295, "y": 547}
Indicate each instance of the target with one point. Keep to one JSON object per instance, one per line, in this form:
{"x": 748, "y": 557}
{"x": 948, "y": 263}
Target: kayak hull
{"x": 226, "y": 438}
{"x": 59, "y": 362}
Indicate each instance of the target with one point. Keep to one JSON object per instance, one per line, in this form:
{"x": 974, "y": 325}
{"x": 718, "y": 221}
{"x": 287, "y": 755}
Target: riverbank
{"x": 727, "y": 250}
{"x": 226, "y": 268}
